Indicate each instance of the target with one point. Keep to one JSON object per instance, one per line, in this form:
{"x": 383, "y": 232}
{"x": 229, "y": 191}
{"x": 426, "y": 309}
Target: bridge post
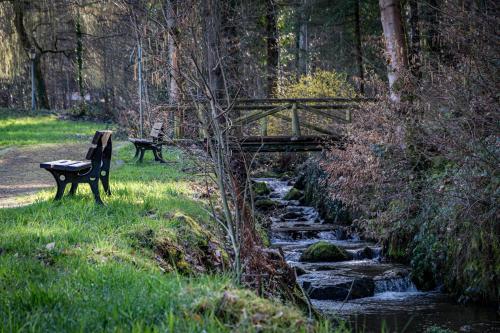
{"x": 178, "y": 130}
{"x": 348, "y": 116}
{"x": 263, "y": 126}
{"x": 295, "y": 120}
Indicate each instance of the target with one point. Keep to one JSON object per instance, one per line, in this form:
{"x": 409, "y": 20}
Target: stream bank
{"x": 362, "y": 287}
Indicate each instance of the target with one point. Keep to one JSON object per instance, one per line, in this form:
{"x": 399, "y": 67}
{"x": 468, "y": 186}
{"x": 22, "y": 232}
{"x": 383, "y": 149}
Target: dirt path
{"x": 20, "y": 172}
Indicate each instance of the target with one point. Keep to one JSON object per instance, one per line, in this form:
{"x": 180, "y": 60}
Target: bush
{"x": 320, "y": 84}
{"x": 317, "y": 85}
{"x": 424, "y": 174}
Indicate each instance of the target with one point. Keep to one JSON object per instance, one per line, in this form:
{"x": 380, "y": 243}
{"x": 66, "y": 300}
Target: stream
{"x": 372, "y": 294}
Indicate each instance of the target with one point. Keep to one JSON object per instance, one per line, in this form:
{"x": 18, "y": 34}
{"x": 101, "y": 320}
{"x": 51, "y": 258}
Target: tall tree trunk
{"x": 230, "y": 48}
{"x": 394, "y": 43}
{"x": 173, "y": 68}
{"x": 302, "y": 38}
{"x": 272, "y": 47}
{"x": 41, "y": 89}
{"x": 107, "y": 107}
{"x": 432, "y": 18}
{"x": 359, "y": 52}
{"x": 19, "y": 8}
{"x": 79, "y": 56}
{"x": 211, "y": 16}
{"x": 414, "y": 38}
{"x": 176, "y": 117}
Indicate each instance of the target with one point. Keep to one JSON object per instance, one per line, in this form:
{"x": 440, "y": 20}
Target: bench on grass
{"x": 154, "y": 144}
{"x": 76, "y": 172}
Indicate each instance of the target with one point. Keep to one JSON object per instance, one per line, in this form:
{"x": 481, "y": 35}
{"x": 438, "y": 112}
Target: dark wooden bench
{"x": 75, "y": 172}
{"x": 154, "y": 144}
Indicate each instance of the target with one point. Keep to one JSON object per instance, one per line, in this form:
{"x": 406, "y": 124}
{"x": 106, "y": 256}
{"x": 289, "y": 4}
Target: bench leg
{"x": 61, "y": 186}
{"x": 141, "y": 158}
{"x": 105, "y": 183}
{"x": 158, "y": 155}
{"x": 94, "y": 186}
{"x": 136, "y": 152}
{"x": 74, "y": 187}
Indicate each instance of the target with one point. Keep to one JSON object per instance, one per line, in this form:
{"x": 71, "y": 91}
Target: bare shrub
{"x": 425, "y": 175}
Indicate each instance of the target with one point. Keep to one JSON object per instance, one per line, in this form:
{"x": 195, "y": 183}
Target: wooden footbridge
{"x": 315, "y": 123}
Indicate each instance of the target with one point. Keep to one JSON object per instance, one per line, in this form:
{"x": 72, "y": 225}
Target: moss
{"x": 263, "y": 235}
{"x": 186, "y": 247}
{"x": 268, "y": 174}
{"x": 245, "y": 311}
{"x": 261, "y": 188}
{"x": 324, "y": 251}
{"x": 266, "y": 204}
{"x": 316, "y": 188}
{"x": 293, "y": 194}
{"x": 437, "y": 329}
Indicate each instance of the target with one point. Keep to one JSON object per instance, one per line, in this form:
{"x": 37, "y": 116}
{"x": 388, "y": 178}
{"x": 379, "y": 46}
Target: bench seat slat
{"x": 66, "y": 165}
{"x": 140, "y": 140}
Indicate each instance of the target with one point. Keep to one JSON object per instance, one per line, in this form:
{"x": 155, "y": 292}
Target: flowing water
{"x": 372, "y": 294}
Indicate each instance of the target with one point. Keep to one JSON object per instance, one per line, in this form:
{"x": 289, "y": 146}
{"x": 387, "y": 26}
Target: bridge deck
{"x": 269, "y": 144}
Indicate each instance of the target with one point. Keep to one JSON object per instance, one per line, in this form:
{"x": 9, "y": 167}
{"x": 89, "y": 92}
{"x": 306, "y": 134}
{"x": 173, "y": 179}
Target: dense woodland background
{"x": 420, "y": 170}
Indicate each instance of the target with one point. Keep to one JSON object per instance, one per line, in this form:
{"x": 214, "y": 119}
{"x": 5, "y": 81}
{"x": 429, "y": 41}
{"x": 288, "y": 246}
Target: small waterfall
{"x": 398, "y": 284}
{"x": 380, "y": 291}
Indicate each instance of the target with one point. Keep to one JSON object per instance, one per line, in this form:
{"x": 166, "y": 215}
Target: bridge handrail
{"x": 305, "y": 100}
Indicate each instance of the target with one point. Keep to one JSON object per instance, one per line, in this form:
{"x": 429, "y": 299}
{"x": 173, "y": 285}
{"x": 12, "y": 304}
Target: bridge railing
{"x": 337, "y": 110}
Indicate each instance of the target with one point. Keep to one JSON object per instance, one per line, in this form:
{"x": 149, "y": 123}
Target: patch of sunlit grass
{"x": 72, "y": 265}
{"x": 22, "y": 129}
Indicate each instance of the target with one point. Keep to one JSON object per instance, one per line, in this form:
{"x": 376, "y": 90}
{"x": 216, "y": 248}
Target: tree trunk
{"x": 79, "y": 57}
{"x": 173, "y": 68}
{"x": 41, "y": 90}
{"x": 176, "y": 117}
{"x": 302, "y": 39}
{"x": 272, "y": 47}
{"x": 211, "y": 18}
{"x": 19, "y": 8}
{"x": 433, "y": 26}
{"x": 414, "y": 39}
{"x": 394, "y": 44}
{"x": 359, "y": 54}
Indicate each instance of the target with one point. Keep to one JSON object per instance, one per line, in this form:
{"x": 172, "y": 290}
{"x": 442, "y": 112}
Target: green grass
{"x": 21, "y": 129}
{"x": 72, "y": 266}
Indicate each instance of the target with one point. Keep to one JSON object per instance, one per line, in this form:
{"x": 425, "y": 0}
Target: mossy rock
{"x": 293, "y": 194}
{"x": 437, "y": 329}
{"x": 266, "y": 204}
{"x": 268, "y": 174}
{"x": 324, "y": 251}
{"x": 185, "y": 245}
{"x": 261, "y": 188}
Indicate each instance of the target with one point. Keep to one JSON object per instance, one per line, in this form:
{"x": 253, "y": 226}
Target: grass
{"x": 21, "y": 129}
{"x": 73, "y": 266}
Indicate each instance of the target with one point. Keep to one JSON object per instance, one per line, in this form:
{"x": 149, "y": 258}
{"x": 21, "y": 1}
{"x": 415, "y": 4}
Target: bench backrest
{"x": 102, "y": 148}
{"x": 156, "y": 130}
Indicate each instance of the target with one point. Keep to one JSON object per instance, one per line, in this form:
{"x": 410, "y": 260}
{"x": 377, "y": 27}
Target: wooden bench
{"x": 154, "y": 144}
{"x": 75, "y": 172}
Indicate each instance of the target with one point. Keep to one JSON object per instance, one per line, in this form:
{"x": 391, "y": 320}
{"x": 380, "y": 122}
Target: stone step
{"x": 334, "y": 281}
{"x": 348, "y": 245}
{"x": 350, "y": 269}
{"x": 301, "y": 227}
{"x": 340, "y": 290}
